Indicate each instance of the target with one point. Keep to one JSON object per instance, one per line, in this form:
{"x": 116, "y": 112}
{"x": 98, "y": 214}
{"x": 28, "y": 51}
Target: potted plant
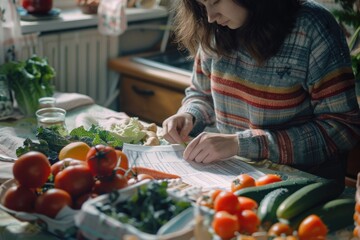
{"x": 348, "y": 16}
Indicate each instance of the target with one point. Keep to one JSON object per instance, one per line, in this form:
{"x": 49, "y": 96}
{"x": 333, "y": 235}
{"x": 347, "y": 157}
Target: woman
{"x": 275, "y": 78}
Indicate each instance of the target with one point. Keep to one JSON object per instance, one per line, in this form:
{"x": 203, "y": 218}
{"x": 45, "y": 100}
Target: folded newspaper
{"x": 168, "y": 158}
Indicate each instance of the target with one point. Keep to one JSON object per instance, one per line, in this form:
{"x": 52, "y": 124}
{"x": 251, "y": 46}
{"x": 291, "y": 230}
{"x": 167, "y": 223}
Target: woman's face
{"x": 224, "y": 12}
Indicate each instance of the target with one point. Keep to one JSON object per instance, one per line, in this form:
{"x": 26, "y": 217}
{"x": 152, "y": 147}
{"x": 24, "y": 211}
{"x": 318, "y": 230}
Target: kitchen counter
{"x": 74, "y": 18}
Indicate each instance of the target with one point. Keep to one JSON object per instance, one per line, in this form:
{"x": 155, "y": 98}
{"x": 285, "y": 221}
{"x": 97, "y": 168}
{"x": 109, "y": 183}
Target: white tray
{"x": 94, "y": 224}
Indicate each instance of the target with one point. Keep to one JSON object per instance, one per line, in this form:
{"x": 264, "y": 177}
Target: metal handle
{"x": 144, "y": 92}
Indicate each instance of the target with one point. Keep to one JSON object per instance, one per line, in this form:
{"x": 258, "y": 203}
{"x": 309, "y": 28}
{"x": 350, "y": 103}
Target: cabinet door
{"x": 147, "y": 101}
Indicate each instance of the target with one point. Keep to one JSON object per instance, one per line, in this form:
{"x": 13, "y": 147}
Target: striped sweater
{"x": 298, "y": 108}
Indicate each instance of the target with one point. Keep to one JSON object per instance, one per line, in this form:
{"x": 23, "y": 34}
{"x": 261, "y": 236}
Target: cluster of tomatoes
{"x": 233, "y": 214}
{"x": 46, "y": 189}
{"x": 236, "y": 215}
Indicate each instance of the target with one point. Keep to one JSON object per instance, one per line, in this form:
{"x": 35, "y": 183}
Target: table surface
{"x": 12, "y": 229}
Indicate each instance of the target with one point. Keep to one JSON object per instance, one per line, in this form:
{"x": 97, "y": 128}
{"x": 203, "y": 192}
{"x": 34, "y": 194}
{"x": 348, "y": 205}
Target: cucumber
{"x": 258, "y": 193}
{"x": 267, "y": 207}
{"x": 308, "y": 197}
{"x": 336, "y": 214}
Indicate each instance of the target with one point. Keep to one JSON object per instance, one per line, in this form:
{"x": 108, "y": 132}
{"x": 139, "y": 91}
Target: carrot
{"x": 156, "y": 174}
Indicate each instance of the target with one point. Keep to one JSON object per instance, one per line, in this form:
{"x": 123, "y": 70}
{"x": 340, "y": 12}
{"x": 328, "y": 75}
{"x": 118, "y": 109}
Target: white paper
{"x": 168, "y": 158}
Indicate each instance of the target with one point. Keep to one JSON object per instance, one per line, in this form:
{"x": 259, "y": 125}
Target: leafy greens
{"x": 29, "y": 80}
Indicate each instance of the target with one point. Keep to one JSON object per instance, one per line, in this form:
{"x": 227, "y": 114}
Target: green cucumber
{"x": 267, "y": 207}
{"x": 258, "y": 193}
{"x": 336, "y": 214}
{"x": 308, "y": 197}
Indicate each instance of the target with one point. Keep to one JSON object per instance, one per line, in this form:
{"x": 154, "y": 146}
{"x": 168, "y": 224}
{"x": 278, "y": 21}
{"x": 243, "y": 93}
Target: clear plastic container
{"x": 6, "y": 103}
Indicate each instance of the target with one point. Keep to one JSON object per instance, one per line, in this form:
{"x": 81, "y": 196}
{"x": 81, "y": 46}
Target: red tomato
{"x": 76, "y": 180}
{"x": 280, "y": 229}
{"x": 123, "y": 162}
{"x": 227, "y": 201}
{"x": 52, "y": 201}
{"x": 249, "y": 222}
{"x": 312, "y": 227}
{"x": 62, "y": 164}
{"x": 225, "y": 225}
{"x": 37, "y": 6}
{"x": 79, "y": 201}
{"x": 19, "y": 198}
{"x": 109, "y": 184}
{"x": 242, "y": 181}
{"x": 102, "y": 160}
{"x": 247, "y": 203}
{"x": 267, "y": 179}
{"x": 32, "y": 169}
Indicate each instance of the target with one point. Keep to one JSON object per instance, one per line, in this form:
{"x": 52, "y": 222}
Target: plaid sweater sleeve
{"x": 298, "y": 109}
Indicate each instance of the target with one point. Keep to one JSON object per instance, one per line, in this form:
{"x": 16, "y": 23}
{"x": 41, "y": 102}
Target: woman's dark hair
{"x": 267, "y": 25}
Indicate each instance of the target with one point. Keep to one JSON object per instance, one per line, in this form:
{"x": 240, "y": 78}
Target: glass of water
{"x": 52, "y": 117}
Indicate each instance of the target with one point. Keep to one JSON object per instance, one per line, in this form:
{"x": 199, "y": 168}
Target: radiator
{"x": 80, "y": 61}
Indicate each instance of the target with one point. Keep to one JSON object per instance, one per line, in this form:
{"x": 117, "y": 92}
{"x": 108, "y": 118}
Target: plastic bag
{"x": 10, "y": 31}
{"x": 112, "y": 18}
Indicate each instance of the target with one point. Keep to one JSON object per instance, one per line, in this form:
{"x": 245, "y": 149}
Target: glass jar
{"x": 6, "y": 102}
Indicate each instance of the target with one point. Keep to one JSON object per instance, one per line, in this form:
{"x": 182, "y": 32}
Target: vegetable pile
{"x": 299, "y": 209}
{"x": 52, "y": 140}
{"x": 29, "y": 80}
{"x": 154, "y": 207}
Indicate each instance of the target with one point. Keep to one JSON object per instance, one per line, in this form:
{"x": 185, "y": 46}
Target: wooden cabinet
{"x": 146, "y": 92}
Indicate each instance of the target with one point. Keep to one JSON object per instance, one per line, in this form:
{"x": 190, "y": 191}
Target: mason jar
{"x": 6, "y": 102}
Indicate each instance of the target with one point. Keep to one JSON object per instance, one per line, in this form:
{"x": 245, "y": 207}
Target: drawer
{"x": 149, "y": 102}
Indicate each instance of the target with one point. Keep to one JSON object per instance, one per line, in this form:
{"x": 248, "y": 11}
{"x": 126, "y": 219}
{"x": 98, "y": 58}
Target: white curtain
{"x": 10, "y": 31}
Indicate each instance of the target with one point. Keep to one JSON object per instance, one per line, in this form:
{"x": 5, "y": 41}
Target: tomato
{"x": 278, "y": 229}
{"x": 19, "y": 198}
{"x": 123, "y": 165}
{"x": 312, "y": 227}
{"x": 267, "y": 179}
{"x": 247, "y": 203}
{"x": 32, "y": 169}
{"x": 242, "y": 181}
{"x": 76, "y": 180}
{"x": 227, "y": 201}
{"x": 225, "y": 225}
{"x": 208, "y": 198}
{"x": 52, "y": 201}
{"x": 109, "y": 184}
{"x": 62, "y": 164}
{"x": 356, "y": 231}
{"x": 249, "y": 222}
{"x": 288, "y": 238}
{"x": 79, "y": 201}
{"x": 102, "y": 160}
{"x": 37, "y": 6}
{"x": 357, "y": 207}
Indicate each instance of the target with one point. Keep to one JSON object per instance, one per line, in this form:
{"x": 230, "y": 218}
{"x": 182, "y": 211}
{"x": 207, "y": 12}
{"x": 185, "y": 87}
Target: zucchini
{"x": 267, "y": 207}
{"x": 336, "y": 214}
{"x": 258, "y": 193}
{"x": 308, "y": 197}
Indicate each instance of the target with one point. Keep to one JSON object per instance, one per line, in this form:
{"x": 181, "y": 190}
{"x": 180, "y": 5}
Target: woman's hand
{"x": 210, "y": 147}
{"x": 176, "y": 128}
